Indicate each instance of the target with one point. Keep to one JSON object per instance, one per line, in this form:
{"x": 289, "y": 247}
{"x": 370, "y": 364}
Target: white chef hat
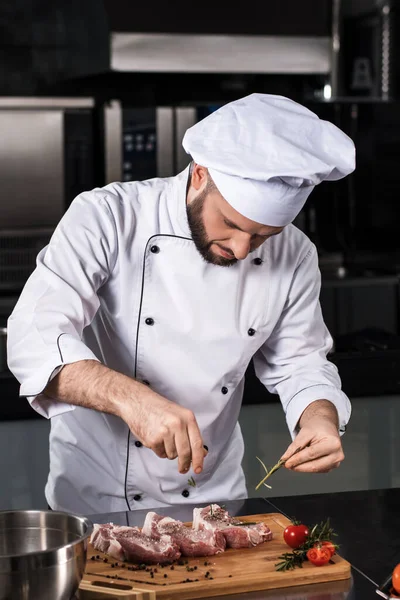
{"x": 266, "y": 154}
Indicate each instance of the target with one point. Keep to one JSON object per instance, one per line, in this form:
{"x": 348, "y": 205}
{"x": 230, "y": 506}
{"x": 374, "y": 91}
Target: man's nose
{"x": 241, "y": 246}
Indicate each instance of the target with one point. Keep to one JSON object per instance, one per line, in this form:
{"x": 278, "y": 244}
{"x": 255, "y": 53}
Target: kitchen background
{"x": 93, "y": 92}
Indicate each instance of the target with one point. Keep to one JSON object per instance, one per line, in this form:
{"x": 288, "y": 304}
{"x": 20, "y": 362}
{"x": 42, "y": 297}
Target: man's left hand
{"x": 318, "y": 439}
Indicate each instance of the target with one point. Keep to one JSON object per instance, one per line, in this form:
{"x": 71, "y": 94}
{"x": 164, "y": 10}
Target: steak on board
{"x": 191, "y": 542}
{"x": 215, "y": 518}
{"x": 130, "y": 544}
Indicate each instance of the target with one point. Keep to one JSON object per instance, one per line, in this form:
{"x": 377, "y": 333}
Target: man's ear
{"x": 199, "y": 177}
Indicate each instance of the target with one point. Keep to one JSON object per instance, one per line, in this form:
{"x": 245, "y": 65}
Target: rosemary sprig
{"x": 263, "y": 481}
{"x": 278, "y": 465}
{"x": 290, "y": 560}
{"x": 191, "y": 482}
{"x": 321, "y": 532}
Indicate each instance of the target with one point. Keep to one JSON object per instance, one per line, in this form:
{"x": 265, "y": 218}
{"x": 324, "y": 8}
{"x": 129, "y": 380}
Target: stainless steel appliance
{"x": 46, "y": 159}
{"x": 142, "y": 143}
{"x": 36, "y": 139}
{"x": 370, "y": 38}
{"x": 280, "y": 37}
{"x": 42, "y": 554}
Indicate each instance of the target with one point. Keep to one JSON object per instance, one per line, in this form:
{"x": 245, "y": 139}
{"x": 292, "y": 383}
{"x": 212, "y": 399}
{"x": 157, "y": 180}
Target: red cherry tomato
{"x": 295, "y": 535}
{"x": 396, "y": 578}
{"x": 319, "y": 555}
{"x": 329, "y": 546}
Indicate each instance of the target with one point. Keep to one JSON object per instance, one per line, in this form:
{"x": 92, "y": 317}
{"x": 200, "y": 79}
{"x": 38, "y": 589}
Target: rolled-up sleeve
{"x": 61, "y": 298}
{"x": 293, "y": 362}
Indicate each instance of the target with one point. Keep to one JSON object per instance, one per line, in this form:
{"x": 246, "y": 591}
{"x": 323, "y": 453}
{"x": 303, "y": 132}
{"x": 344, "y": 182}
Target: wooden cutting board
{"x": 232, "y": 572}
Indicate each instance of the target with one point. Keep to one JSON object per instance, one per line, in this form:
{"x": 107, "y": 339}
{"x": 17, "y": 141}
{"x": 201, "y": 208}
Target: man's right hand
{"x": 170, "y": 430}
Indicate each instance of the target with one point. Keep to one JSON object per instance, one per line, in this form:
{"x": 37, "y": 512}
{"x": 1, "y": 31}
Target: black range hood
{"x": 174, "y": 53}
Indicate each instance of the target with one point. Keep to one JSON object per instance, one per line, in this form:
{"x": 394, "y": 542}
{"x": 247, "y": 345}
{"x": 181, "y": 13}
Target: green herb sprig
{"x": 290, "y": 560}
{"x": 269, "y": 472}
{"x": 322, "y": 532}
{"x": 191, "y": 482}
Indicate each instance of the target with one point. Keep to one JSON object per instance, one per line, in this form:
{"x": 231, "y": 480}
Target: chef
{"x": 134, "y": 333}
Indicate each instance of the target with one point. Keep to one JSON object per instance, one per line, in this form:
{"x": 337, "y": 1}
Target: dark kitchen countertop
{"x": 367, "y": 524}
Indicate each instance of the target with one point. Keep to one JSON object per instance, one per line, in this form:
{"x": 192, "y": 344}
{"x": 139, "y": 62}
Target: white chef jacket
{"x": 122, "y": 282}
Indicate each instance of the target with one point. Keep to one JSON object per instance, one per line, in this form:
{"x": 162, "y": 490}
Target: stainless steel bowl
{"x": 42, "y": 554}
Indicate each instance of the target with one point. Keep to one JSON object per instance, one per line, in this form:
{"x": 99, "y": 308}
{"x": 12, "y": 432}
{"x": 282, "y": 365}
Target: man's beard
{"x": 199, "y": 235}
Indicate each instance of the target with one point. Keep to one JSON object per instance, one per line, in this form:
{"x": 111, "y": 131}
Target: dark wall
{"x": 284, "y": 17}
{"x": 43, "y": 41}
{"x": 361, "y": 213}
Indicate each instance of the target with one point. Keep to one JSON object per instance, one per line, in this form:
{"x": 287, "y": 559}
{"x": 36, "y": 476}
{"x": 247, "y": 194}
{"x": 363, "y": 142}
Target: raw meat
{"x": 103, "y": 539}
{"x": 215, "y": 518}
{"x": 210, "y": 517}
{"x": 190, "y": 542}
{"x": 163, "y": 540}
{"x": 140, "y": 548}
{"x": 247, "y": 536}
{"x": 150, "y": 526}
{"x": 130, "y": 544}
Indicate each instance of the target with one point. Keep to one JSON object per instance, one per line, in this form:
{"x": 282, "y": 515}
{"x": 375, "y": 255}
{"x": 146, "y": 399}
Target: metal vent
{"x": 18, "y": 252}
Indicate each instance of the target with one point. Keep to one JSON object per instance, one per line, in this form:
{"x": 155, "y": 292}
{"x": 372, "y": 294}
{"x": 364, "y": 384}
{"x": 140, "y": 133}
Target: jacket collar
{"x": 178, "y": 203}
